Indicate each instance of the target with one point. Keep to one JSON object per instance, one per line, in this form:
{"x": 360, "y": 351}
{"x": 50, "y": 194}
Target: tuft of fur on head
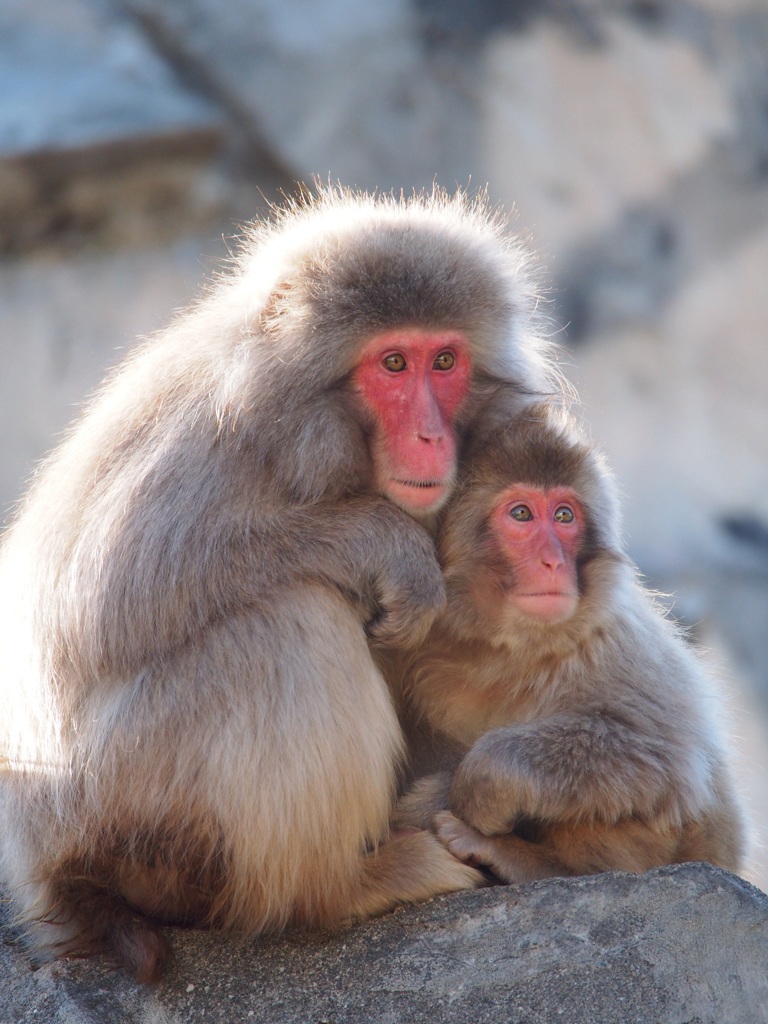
{"x": 336, "y": 265}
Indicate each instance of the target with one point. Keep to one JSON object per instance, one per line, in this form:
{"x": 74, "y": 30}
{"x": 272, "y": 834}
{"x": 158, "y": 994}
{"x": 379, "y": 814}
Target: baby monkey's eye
{"x": 521, "y": 513}
{"x": 564, "y": 514}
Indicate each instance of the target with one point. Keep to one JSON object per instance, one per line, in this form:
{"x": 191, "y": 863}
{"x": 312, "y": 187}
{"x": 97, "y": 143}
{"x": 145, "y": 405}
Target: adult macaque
{"x": 193, "y": 729}
{"x": 579, "y": 726}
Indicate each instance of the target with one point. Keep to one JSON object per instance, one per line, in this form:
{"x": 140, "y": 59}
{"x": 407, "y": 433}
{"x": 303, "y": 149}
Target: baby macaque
{"x": 579, "y": 730}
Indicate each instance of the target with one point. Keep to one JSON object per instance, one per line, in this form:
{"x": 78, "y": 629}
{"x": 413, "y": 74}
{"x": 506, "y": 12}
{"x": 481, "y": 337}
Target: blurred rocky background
{"x": 631, "y": 136}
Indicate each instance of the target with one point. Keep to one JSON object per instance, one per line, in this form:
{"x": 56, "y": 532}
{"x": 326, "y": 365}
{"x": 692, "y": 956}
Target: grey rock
{"x": 339, "y": 89}
{"x": 98, "y": 139}
{"x": 77, "y": 74}
{"x": 680, "y": 945}
{"x": 65, "y": 323}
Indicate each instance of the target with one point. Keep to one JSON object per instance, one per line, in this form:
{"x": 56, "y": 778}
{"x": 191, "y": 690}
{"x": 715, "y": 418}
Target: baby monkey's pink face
{"x": 539, "y": 533}
{"x": 412, "y": 383}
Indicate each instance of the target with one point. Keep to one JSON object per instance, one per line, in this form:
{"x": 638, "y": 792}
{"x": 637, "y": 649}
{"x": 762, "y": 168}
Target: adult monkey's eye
{"x": 564, "y": 514}
{"x": 395, "y": 363}
{"x": 445, "y": 361}
{"x": 521, "y": 513}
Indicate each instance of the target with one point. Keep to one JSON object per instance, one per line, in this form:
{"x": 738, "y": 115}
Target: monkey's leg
{"x": 67, "y": 902}
{"x": 719, "y": 836}
{"x": 105, "y": 921}
{"x": 409, "y": 868}
{"x": 237, "y": 785}
{"x": 626, "y": 845}
{"x": 272, "y": 744}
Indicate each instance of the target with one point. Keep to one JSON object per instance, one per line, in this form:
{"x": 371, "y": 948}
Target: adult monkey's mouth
{"x": 419, "y": 495}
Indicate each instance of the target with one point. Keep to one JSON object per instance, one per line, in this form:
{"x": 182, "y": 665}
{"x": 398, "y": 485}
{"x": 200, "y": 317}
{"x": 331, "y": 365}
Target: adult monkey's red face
{"x": 412, "y": 383}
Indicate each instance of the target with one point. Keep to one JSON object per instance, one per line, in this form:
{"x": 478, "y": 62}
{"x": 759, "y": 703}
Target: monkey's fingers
{"x": 408, "y": 592}
{"x": 401, "y": 625}
{"x": 505, "y": 858}
{"x": 463, "y": 841}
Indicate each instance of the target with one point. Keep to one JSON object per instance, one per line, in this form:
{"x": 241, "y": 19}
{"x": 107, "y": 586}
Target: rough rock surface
{"x": 76, "y": 74}
{"x": 342, "y": 88}
{"x": 681, "y": 945}
{"x": 97, "y": 134}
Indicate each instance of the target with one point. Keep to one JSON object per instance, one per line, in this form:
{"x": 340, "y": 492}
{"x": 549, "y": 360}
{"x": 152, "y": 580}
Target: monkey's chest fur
{"x": 465, "y": 692}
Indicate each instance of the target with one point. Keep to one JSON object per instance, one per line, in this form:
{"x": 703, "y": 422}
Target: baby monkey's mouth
{"x": 419, "y": 483}
{"x": 550, "y": 605}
